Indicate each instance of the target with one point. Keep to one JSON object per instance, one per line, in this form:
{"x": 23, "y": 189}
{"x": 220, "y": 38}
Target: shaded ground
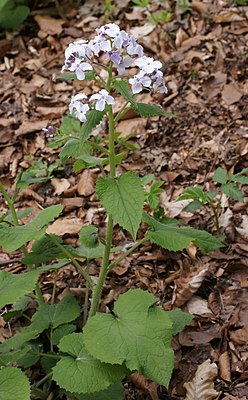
{"x": 204, "y": 53}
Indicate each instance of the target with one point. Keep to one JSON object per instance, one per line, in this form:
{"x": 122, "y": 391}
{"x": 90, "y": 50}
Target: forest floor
{"x": 204, "y": 51}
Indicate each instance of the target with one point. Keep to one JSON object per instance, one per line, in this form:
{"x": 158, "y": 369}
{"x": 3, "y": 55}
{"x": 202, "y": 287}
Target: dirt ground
{"x": 204, "y": 52}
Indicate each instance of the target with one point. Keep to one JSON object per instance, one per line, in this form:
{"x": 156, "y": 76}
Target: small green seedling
{"x": 229, "y": 185}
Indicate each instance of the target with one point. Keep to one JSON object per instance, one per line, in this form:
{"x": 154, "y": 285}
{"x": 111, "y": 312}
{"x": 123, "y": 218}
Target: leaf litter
{"x": 204, "y": 57}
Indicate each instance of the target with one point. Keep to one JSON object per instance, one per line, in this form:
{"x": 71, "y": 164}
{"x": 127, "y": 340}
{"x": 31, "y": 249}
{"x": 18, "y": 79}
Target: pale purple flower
{"x": 140, "y": 81}
{"x": 79, "y": 107}
{"x": 148, "y": 64}
{"x": 133, "y": 48}
{"x": 101, "y": 99}
{"x": 110, "y": 30}
{"x": 158, "y": 82}
{"x": 126, "y": 62}
{"x": 121, "y": 40}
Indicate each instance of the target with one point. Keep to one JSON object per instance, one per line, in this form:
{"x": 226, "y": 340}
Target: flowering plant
{"x": 137, "y": 335}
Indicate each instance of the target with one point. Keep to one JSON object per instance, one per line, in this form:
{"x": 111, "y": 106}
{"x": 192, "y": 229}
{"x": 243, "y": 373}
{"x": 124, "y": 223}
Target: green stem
{"x": 23, "y": 248}
{"x": 122, "y": 112}
{"x": 39, "y": 383}
{"x": 109, "y": 233}
{"x": 72, "y": 259}
{"x": 10, "y": 204}
{"x": 45, "y": 355}
{"x": 124, "y": 255}
{"x": 215, "y": 215}
{"x": 86, "y": 299}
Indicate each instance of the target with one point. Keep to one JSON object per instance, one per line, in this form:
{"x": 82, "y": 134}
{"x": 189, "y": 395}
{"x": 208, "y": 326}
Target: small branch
{"x": 72, "y": 259}
{"x": 124, "y": 255}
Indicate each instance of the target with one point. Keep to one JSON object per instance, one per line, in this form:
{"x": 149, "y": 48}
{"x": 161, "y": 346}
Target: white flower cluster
{"x": 123, "y": 50}
{"x": 81, "y": 104}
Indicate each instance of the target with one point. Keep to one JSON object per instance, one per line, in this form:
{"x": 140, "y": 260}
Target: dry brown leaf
{"x": 202, "y": 386}
{"x": 140, "y": 31}
{"x": 60, "y": 185}
{"x": 187, "y": 285}
{"x": 31, "y": 126}
{"x": 86, "y": 184}
{"x": 240, "y": 337}
{"x": 197, "y": 305}
{"x": 228, "y": 17}
{"x": 145, "y": 384}
{"x": 49, "y": 25}
{"x": 214, "y": 84}
{"x": 243, "y": 230}
{"x": 134, "y": 126}
{"x": 224, "y": 364}
{"x": 231, "y": 94}
{"x": 181, "y": 36}
{"x": 65, "y": 225}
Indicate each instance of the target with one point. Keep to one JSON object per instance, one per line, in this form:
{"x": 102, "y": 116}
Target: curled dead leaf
{"x": 187, "y": 285}
{"x": 86, "y": 184}
{"x": 202, "y": 385}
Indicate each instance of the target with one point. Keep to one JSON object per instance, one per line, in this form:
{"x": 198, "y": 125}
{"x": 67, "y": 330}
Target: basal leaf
{"x": 13, "y": 237}
{"x": 14, "y": 384}
{"x": 174, "y": 238}
{"x": 61, "y": 331}
{"x": 79, "y": 372}
{"x": 231, "y": 190}
{"x": 179, "y": 319}
{"x": 65, "y": 311}
{"x": 14, "y": 286}
{"x": 43, "y": 250}
{"x": 149, "y": 110}
{"x": 113, "y": 392}
{"x": 13, "y": 15}
{"x": 138, "y": 334}
{"x": 220, "y": 175}
{"x": 123, "y": 198}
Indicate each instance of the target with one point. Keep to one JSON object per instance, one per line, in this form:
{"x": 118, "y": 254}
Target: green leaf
{"x": 179, "y": 319}
{"x": 43, "y": 250}
{"x": 193, "y": 206}
{"x": 13, "y": 237}
{"x": 10, "y": 357}
{"x": 66, "y": 310}
{"x": 12, "y": 15}
{"x": 145, "y": 180}
{"x": 14, "y": 384}
{"x": 138, "y": 334}
{"x": 93, "y": 119}
{"x": 88, "y": 236}
{"x": 18, "y": 308}
{"x": 220, "y": 175}
{"x": 149, "y": 110}
{"x": 74, "y": 148}
{"x": 62, "y": 331}
{"x": 113, "y": 392}
{"x": 123, "y": 198}
{"x": 29, "y": 359}
{"x": 79, "y": 372}
{"x": 13, "y": 287}
{"x": 19, "y": 340}
{"x": 231, "y": 190}
{"x": 175, "y": 238}
{"x": 240, "y": 179}
{"x": 195, "y": 193}
{"x": 122, "y": 88}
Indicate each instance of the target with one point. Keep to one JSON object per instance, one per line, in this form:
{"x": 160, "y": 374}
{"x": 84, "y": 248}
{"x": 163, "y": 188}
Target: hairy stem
{"x": 86, "y": 299}
{"x": 105, "y": 262}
